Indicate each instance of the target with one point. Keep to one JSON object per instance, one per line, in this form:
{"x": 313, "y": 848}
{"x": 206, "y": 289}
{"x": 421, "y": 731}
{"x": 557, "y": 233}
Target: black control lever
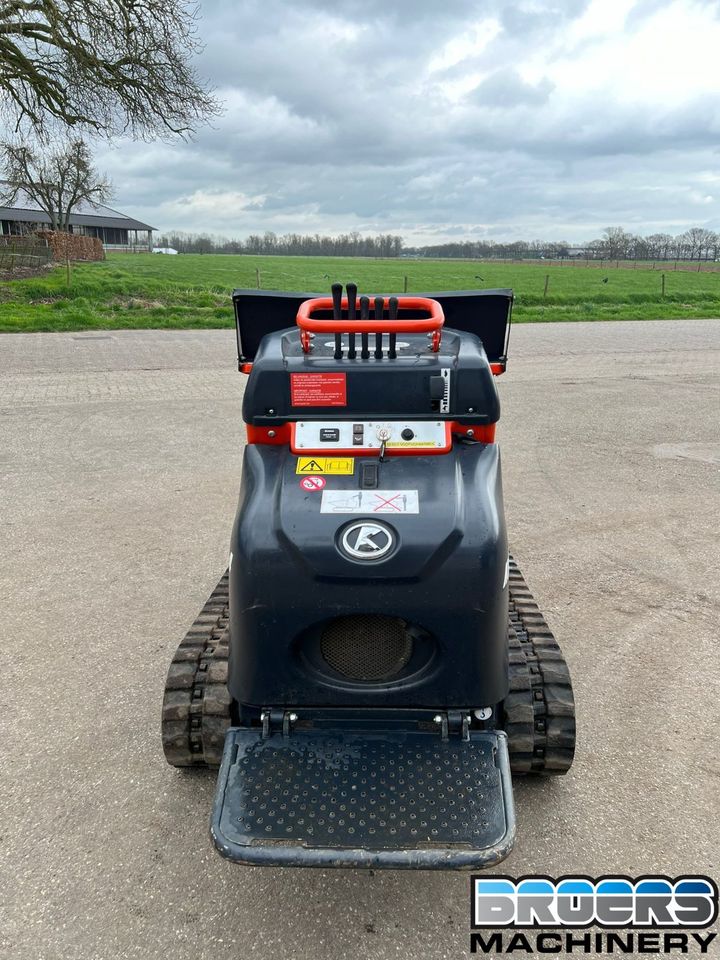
{"x": 392, "y": 315}
{"x": 337, "y": 316}
{"x": 364, "y": 316}
{"x": 352, "y": 298}
{"x": 379, "y": 308}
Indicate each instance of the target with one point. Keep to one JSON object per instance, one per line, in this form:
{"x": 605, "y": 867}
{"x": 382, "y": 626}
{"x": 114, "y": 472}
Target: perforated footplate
{"x": 353, "y": 798}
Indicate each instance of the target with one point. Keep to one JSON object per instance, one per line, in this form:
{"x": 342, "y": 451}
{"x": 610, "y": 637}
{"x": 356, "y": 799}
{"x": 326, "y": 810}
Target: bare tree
{"x": 659, "y": 245}
{"x": 697, "y": 242}
{"x": 714, "y": 246}
{"x": 113, "y": 66}
{"x": 57, "y": 180}
{"x": 616, "y": 242}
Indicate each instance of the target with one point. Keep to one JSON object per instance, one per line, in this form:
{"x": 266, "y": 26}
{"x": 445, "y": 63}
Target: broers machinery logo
{"x": 649, "y": 914}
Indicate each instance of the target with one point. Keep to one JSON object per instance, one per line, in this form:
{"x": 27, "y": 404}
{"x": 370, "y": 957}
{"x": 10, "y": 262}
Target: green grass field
{"x": 141, "y": 290}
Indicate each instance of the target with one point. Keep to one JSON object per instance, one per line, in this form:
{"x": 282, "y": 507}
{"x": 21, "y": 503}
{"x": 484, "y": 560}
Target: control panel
{"x": 369, "y": 436}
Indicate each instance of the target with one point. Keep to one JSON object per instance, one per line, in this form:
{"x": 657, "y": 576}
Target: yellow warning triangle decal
{"x": 326, "y": 465}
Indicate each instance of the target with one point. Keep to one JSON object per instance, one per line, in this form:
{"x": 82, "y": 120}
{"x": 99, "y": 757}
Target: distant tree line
{"x": 490, "y": 250}
{"x": 290, "y": 244}
{"x": 697, "y": 243}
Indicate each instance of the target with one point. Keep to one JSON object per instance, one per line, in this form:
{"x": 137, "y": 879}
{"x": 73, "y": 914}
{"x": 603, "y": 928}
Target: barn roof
{"x": 86, "y": 214}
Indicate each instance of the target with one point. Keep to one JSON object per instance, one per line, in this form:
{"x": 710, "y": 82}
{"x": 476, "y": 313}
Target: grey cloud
{"x": 335, "y": 122}
{"x": 522, "y": 19}
{"x": 505, "y": 88}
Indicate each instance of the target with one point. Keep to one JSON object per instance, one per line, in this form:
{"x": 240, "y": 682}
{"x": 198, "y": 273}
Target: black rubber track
{"x": 196, "y": 706}
{"x": 538, "y": 713}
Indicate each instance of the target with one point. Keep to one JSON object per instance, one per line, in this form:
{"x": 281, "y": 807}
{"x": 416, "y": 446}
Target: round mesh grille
{"x": 366, "y": 647}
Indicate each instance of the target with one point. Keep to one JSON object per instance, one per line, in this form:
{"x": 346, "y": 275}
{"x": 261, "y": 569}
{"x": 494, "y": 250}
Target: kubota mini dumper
{"x": 371, "y": 668}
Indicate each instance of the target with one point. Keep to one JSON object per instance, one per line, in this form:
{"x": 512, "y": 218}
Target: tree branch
{"x": 115, "y": 65}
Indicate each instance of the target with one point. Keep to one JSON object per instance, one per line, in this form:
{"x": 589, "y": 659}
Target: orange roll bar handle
{"x": 432, "y": 324}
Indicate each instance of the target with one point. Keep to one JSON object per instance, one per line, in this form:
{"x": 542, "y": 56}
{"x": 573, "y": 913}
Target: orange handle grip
{"x": 432, "y": 324}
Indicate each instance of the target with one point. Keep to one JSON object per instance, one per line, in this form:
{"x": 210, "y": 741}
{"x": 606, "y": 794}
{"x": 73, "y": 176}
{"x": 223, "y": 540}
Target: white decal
{"x": 370, "y": 501}
{"x": 445, "y": 402}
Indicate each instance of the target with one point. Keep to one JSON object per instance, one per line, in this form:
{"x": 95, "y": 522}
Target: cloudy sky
{"x": 440, "y": 119}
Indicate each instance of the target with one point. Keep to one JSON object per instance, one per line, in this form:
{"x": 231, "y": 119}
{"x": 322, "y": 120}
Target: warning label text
{"x": 318, "y": 390}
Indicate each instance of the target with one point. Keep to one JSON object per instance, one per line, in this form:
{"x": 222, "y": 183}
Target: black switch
{"x": 437, "y": 388}
{"x": 329, "y": 435}
{"x": 407, "y": 434}
{"x": 369, "y": 473}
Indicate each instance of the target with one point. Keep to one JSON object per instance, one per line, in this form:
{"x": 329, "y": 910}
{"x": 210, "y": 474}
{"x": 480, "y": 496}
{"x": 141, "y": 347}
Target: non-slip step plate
{"x": 354, "y": 798}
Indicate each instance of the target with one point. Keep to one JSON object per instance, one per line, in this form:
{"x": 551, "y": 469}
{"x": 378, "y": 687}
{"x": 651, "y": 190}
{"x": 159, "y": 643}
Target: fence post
{"x": 405, "y": 288}
{"x": 257, "y": 276}
{"x": 547, "y": 281}
{"x": 663, "y": 284}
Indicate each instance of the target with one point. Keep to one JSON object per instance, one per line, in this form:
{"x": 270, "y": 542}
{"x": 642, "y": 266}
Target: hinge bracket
{"x": 454, "y": 722}
{"x": 274, "y": 719}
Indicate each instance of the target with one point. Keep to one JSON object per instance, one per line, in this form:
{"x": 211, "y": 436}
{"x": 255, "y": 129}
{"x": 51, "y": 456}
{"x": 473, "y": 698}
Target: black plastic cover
{"x": 445, "y": 578}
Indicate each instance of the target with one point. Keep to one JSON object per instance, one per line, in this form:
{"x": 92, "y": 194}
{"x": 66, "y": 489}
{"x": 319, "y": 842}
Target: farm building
{"x": 116, "y": 230}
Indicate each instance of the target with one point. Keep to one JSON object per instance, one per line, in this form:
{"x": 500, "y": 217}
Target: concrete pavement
{"x": 120, "y": 457}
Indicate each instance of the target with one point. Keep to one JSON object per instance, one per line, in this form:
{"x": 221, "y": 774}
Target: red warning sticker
{"x": 318, "y": 390}
{"x": 313, "y": 483}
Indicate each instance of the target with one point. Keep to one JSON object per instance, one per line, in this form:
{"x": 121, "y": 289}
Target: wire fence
{"x": 17, "y": 253}
{"x": 688, "y": 266}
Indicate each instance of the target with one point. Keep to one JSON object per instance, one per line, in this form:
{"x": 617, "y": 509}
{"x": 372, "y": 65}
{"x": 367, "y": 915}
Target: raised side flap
{"x": 486, "y": 313}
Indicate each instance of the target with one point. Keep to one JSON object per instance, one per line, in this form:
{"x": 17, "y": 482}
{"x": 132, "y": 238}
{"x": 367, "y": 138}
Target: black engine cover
{"x": 442, "y": 583}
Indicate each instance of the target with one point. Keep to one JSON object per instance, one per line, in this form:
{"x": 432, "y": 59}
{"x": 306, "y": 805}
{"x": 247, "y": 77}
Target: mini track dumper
{"x": 371, "y": 669}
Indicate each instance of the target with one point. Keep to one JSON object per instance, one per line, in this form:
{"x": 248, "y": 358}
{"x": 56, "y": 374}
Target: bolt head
{"x": 271, "y": 433}
{"x": 437, "y": 718}
{"x": 469, "y": 433}
{"x": 292, "y": 717}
